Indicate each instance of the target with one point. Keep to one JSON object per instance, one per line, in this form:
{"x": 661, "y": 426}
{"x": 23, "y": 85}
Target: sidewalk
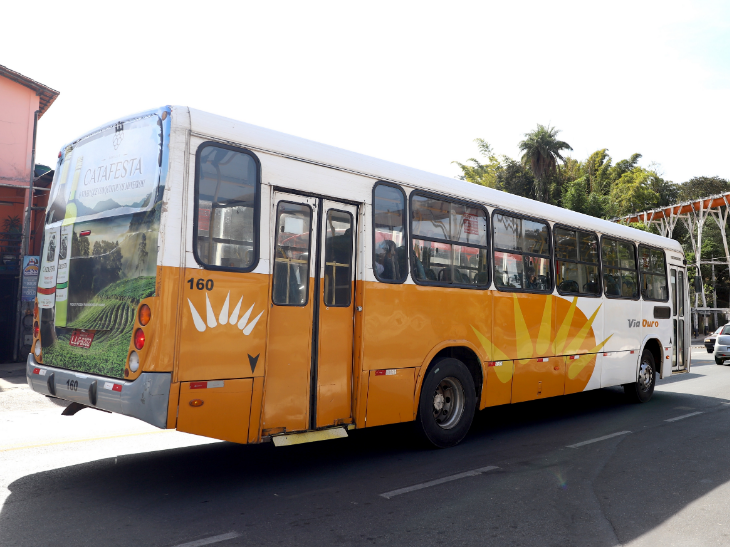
{"x": 12, "y": 376}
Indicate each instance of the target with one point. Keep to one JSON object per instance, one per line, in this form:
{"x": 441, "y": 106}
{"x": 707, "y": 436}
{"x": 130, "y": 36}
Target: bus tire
{"x": 447, "y": 404}
{"x": 642, "y": 390}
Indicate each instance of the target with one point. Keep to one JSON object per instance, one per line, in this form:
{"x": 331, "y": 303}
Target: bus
{"x": 211, "y": 276}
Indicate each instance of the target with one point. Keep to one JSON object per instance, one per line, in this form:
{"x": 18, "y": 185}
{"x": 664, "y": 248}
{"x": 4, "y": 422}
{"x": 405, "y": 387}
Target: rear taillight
{"x": 36, "y": 329}
{"x": 145, "y": 314}
{"x": 139, "y": 339}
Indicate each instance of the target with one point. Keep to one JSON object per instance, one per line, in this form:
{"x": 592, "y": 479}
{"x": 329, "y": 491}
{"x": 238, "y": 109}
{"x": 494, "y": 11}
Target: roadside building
{"x": 23, "y": 102}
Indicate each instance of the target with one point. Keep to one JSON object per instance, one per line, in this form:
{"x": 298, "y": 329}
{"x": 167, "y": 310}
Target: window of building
{"x": 449, "y": 242}
{"x": 653, "y": 274}
{"x": 576, "y": 262}
{"x": 521, "y": 254}
{"x": 390, "y": 253}
{"x": 619, "y": 269}
{"x": 226, "y": 208}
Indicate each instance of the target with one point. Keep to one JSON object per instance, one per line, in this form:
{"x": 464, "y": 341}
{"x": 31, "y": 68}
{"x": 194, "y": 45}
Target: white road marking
{"x": 578, "y": 445}
{"x": 472, "y": 473}
{"x": 210, "y": 540}
{"x": 683, "y": 417}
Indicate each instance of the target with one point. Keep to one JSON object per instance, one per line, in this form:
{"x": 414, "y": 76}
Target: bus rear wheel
{"x": 642, "y": 390}
{"x": 447, "y": 404}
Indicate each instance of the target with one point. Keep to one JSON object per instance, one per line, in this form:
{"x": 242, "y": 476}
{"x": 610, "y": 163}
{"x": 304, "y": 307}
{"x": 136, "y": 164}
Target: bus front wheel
{"x": 447, "y": 404}
{"x": 642, "y": 390}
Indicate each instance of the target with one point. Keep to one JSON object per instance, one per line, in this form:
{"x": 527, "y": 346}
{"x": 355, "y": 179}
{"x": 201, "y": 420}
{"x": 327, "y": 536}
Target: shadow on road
{"x": 327, "y": 492}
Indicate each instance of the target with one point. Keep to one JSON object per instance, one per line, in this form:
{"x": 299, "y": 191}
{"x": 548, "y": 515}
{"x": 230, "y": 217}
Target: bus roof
{"x": 267, "y": 140}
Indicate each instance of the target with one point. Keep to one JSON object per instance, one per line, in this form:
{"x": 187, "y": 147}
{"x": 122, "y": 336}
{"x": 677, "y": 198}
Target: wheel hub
{"x": 646, "y": 376}
{"x": 448, "y": 403}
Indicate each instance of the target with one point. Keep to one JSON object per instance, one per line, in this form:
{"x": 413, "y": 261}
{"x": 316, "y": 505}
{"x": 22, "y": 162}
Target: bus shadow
{"x": 153, "y": 498}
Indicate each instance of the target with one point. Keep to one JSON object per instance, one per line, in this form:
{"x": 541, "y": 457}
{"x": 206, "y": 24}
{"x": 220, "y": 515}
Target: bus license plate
{"x": 81, "y": 339}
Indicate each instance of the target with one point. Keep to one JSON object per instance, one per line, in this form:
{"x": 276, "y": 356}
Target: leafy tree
{"x": 479, "y": 173}
{"x": 700, "y": 187}
{"x": 541, "y": 151}
{"x": 516, "y": 179}
{"x": 632, "y": 192}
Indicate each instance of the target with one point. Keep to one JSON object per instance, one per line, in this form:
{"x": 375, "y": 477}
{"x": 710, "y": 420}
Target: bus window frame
{"x": 599, "y": 264}
{"x": 405, "y": 232}
{"x": 256, "y": 212}
{"x": 636, "y": 270}
{"x": 551, "y": 253}
{"x": 487, "y": 247}
{"x": 353, "y": 252}
{"x": 641, "y": 272}
{"x": 312, "y": 228}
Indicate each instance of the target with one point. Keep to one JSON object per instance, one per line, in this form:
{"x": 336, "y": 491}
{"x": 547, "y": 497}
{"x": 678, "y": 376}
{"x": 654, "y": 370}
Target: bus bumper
{"x": 145, "y": 398}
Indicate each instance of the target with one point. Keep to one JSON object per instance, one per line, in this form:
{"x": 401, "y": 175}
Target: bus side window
{"x": 390, "y": 254}
{"x": 576, "y": 262}
{"x": 619, "y": 269}
{"x": 291, "y": 255}
{"x": 521, "y": 254}
{"x": 449, "y": 242}
{"x": 226, "y": 209}
{"x": 653, "y": 274}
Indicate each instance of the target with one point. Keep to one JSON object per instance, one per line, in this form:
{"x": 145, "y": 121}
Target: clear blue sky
{"x": 411, "y": 82}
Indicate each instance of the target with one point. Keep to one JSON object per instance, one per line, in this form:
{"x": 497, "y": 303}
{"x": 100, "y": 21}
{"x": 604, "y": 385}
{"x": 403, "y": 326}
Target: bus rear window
{"x": 110, "y": 172}
{"x": 226, "y": 207}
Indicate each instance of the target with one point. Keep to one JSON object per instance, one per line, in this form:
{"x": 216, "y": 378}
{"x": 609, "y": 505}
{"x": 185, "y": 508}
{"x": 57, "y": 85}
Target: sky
{"x": 410, "y": 82}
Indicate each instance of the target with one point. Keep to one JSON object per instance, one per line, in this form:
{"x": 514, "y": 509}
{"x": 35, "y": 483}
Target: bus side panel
{"x": 390, "y": 397}
{"x": 403, "y": 323}
{"x": 217, "y": 409}
{"x": 223, "y": 332}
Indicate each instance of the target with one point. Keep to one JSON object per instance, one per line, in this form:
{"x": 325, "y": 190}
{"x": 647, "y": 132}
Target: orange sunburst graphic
{"x": 537, "y": 326}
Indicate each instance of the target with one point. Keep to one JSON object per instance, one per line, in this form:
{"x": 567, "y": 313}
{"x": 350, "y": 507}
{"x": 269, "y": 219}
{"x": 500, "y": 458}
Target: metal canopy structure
{"x": 694, "y": 214}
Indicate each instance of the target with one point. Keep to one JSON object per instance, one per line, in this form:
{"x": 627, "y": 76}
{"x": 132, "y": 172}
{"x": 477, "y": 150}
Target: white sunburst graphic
{"x": 223, "y": 318}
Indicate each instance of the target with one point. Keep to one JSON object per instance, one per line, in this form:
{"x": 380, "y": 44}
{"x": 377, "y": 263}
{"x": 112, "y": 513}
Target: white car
{"x": 722, "y": 345}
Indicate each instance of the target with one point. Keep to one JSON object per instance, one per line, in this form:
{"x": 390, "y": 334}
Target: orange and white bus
{"x": 208, "y": 275}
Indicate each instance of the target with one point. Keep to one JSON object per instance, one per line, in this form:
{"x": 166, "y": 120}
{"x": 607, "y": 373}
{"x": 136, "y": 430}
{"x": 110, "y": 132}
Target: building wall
{"x": 17, "y": 105}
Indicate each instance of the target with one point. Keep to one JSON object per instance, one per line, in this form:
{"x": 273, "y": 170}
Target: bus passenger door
{"x": 335, "y": 322}
{"x": 680, "y": 324}
{"x": 289, "y": 347}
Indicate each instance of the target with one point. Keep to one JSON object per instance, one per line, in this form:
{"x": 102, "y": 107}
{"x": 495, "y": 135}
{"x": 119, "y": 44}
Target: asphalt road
{"x": 522, "y": 477}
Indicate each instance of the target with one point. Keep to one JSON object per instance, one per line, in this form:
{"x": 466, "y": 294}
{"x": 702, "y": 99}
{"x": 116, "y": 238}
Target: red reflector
{"x": 139, "y": 339}
{"x": 198, "y": 385}
{"x": 556, "y": 368}
{"x": 605, "y": 354}
{"x": 85, "y": 233}
{"x": 59, "y": 154}
{"x": 36, "y": 329}
{"x": 117, "y": 387}
{"x": 380, "y": 373}
{"x": 36, "y": 370}
{"x": 632, "y": 352}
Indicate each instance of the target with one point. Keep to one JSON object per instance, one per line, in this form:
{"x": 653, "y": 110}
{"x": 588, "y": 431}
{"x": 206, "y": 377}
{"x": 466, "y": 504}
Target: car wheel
{"x": 447, "y": 404}
{"x": 719, "y": 361}
{"x": 642, "y": 390}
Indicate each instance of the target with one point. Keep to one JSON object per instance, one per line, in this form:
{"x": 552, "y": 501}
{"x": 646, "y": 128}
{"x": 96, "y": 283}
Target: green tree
{"x": 516, "y": 179}
{"x": 700, "y": 187}
{"x": 632, "y": 193}
{"x": 541, "y": 151}
{"x": 479, "y": 173}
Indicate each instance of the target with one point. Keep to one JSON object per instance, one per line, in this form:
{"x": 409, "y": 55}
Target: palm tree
{"x": 541, "y": 152}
